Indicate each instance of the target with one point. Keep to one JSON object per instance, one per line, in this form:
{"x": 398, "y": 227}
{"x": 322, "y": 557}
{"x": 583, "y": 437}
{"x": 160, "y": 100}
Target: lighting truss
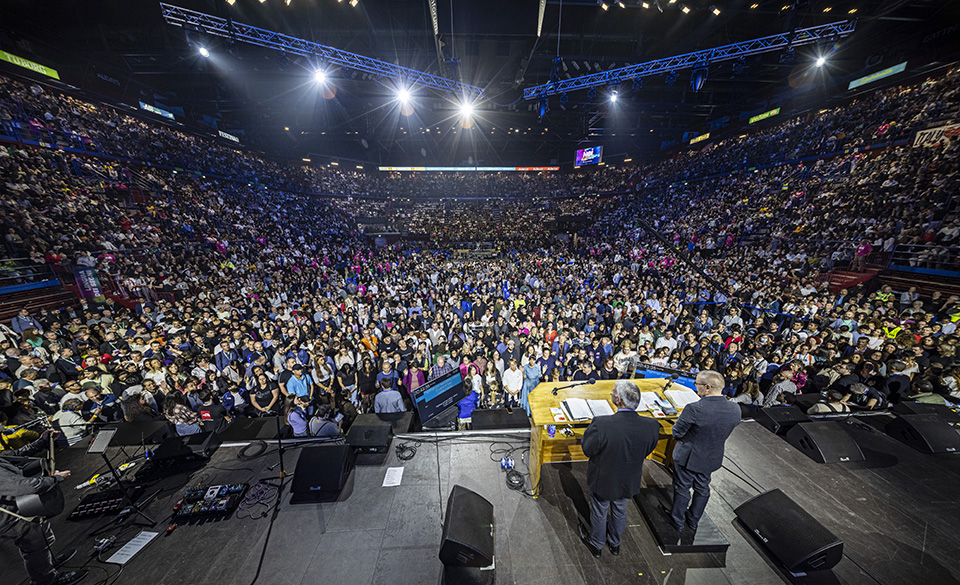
{"x": 236, "y": 31}
{"x": 799, "y": 37}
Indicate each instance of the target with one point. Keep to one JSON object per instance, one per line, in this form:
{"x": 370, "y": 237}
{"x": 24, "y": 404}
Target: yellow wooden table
{"x": 547, "y": 449}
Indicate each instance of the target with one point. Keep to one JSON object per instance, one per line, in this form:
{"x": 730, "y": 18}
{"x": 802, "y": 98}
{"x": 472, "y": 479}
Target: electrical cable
{"x": 407, "y": 451}
{"x": 439, "y": 487}
{"x": 261, "y": 494}
{"x": 243, "y": 453}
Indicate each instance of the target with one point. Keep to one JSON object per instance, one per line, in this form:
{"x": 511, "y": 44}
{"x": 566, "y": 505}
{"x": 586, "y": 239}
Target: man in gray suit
{"x": 701, "y": 431}
{"x": 616, "y": 445}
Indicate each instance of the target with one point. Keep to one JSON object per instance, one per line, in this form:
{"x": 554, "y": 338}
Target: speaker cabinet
{"x": 927, "y": 433}
{"x": 188, "y": 446}
{"x": 143, "y": 433}
{"x": 908, "y": 407}
{"x": 500, "y": 419}
{"x": 825, "y": 442}
{"x": 321, "y": 473}
{"x": 467, "y": 530}
{"x": 370, "y": 434}
{"x": 779, "y": 419}
{"x": 792, "y": 536}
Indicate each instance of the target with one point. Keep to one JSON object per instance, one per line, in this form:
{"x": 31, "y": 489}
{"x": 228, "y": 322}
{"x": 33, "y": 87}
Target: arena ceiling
{"x": 125, "y": 50}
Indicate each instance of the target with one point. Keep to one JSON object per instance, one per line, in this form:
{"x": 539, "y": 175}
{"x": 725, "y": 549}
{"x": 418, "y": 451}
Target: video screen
{"x": 435, "y": 396}
{"x": 589, "y": 156}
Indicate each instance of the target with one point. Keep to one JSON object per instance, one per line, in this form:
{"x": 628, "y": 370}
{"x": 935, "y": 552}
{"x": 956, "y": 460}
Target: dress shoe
{"x": 668, "y": 514}
{"x": 614, "y": 550}
{"x": 70, "y": 578}
{"x": 596, "y": 552}
{"x": 64, "y": 558}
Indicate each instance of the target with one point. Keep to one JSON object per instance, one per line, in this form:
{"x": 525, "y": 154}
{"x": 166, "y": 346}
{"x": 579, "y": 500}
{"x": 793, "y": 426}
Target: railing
{"x": 929, "y": 259}
{"x": 19, "y": 274}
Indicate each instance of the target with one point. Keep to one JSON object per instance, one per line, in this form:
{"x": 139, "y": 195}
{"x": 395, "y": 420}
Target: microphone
{"x": 574, "y": 385}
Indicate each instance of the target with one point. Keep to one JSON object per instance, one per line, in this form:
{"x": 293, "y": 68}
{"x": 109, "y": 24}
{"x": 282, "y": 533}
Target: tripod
{"x": 99, "y": 447}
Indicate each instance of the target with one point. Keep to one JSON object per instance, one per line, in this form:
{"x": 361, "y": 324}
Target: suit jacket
{"x": 617, "y": 446}
{"x": 701, "y": 430}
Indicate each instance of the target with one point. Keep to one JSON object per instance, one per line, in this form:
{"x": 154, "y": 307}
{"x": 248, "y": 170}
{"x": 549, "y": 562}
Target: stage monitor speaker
{"x": 321, "y": 473}
{"x": 500, "y": 419}
{"x": 400, "y": 422}
{"x": 779, "y": 419}
{"x": 188, "y": 446}
{"x": 795, "y": 538}
{"x": 143, "y": 433}
{"x": 369, "y": 434}
{"x": 911, "y": 407}
{"x": 927, "y": 433}
{"x": 825, "y": 442}
{"x": 467, "y": 530}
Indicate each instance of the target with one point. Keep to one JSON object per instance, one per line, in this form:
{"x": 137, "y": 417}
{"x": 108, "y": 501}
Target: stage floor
{"x": 897, "y": 514}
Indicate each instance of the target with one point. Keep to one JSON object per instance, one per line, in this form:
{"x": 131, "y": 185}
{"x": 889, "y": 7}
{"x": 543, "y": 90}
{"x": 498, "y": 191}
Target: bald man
{"x": 700, "y": 431}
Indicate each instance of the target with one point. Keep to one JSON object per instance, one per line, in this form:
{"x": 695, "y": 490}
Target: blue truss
{"x": 800, "y": 37}
{"x": 220, "y": 27}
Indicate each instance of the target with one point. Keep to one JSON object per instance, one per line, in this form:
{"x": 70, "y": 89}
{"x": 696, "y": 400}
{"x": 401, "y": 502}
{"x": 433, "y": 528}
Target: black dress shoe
{"x": 614, "y": 550}
{"x": 71, "y": 578}
{"x": 668, "y": 514}
{"x": 64, "y": 558}
{"x": 596, "y": 552}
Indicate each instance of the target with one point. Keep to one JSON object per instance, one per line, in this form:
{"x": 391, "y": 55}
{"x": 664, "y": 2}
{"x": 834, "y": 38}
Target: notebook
{"x": 579, "y": 409}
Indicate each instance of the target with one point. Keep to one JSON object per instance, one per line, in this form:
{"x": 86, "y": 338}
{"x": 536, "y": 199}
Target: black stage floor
{"x": 898, "y": 514}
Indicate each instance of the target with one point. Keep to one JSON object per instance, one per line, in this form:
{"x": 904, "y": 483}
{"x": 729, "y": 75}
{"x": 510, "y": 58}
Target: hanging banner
{"x": 933, "y": 136}
{"x": 88, "y": 283}
{"x": 28, "y": 64}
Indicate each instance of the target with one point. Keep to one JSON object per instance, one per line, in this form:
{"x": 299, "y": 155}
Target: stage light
{"x": 287, "y": 128}
{"x": 716, "y": 11}
{"x": 621, "y": 5}
{"x": 466, "y": 109}
{"x": 753, "y": 6}
{"x": 605, "y": 6}
{"x": 685, "y": 9}
{"x": 852, "y": 11}
{"x": 354, "y": 2}
{"x": 403, "y": 96}
{"x": 231, "y": 2}
{"x": 320, "y": 76}
{"x": 828, "y": 9}
{"x": 672, "y": 2}
{"x": 613, "y": 97}
{"x": 204, "y": 52}
{"x": 646, "y": 5}
{"x": 262, "y": 1}
{"x": 288, "y": 2}
{"x": 821, "y": 61}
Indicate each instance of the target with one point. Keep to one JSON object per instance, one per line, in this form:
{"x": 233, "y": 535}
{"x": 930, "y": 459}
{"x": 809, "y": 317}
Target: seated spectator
{"x": 832, "y": 403}
{"x": 299, "y": 416}
{"x": 865, "y": 398}
{"x": 323, "y": 424}
{"x": 70, "y": 422}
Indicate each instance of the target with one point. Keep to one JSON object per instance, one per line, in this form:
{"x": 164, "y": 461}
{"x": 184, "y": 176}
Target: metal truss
{"x": 212, "y": 25}
{"x": 785, "y": 40}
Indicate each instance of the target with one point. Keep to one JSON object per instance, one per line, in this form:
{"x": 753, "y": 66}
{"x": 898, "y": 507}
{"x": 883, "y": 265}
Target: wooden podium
{"x": 547, "y": 449}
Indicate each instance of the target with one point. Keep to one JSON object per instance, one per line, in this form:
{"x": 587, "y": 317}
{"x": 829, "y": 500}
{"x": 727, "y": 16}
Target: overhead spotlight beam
{"x": 237, "y": 31}
{"x": 778, "y": 42}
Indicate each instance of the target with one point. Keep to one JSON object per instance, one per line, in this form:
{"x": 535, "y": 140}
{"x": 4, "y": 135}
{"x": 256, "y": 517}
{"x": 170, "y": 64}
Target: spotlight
{"x": 621, "y": 5}
{"x": 262, "y": 1}
{"x": 821, "y": 61}
{"x": 685, "y": 9}
{"x": 715, "y": 10}
{"x": 204, "y": 52}
{"x": 828, "y": 9}
{"x": 613, "y": 97}
{"x": 645, "y": 5}
{"x": 231, "y": 2}
{"x": 354, "y": 2}
{"x": 605, "y": 6}
{"x": 320, "y": 76}
{"x": 852, "y": 11}
{"x": 754, "y": 6}
{"x": 466, "y": 109}
{"x": 403, "y": 96}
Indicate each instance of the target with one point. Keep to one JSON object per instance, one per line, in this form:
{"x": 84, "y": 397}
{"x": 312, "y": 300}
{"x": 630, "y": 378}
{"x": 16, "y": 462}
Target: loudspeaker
{"x": 908, "y": 407}
{"x": 321, "y": 473}
{"x": 143, "y": 433}
{"x": 927, "y": 433}
{"x": 187, "y": 446}
{"x": 369, "y": 434}
{"x": 467, "y": 530}
{"x": 400, "y": 422}
{"x": 792, "y": 536}
{"x": 254, "y": 429}
{"x": 779, "y": 419}
{"x": 825, "y": 442}
{"x": 500, "y": 419}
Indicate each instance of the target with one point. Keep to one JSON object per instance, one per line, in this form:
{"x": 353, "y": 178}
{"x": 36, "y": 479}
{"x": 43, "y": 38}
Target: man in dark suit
{"x": 616, "y": 446}
{"x": 701, "y": 431}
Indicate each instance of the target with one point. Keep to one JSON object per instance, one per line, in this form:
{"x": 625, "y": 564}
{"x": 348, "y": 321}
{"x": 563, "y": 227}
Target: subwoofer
{"x": 779, "y": 419}
{"x": 825, "y": 442}
{"x": 792, "y": 536}
{"x": 321, "y": 473}
{"x": 467, "y": 530}
{"x": 927, "y": 433}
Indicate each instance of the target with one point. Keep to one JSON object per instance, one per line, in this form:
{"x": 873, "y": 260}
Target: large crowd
{"x": 234, "y": 297}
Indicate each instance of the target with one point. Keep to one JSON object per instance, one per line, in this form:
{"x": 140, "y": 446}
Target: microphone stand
{"x": 574, "y": 385}
{"x": 280, "y": 449}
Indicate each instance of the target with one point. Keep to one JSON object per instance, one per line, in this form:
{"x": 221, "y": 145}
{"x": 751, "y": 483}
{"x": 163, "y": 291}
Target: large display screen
{"x": 437, "y": 395}
{"x": 589, "y": 156}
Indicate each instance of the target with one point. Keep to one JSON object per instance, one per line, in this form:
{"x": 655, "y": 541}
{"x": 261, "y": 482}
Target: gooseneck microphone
{"x": 574, "y": 385}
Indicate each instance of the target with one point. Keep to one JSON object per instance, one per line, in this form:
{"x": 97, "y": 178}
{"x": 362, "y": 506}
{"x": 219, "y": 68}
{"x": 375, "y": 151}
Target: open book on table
{"x": 578, "y": 409}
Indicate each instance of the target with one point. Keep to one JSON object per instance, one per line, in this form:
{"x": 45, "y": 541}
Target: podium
{"x": 560, "y": 448}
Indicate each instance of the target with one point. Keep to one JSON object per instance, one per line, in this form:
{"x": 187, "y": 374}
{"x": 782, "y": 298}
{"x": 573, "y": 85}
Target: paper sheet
{"x": 132, "y": 547}
{"x": 393, "y": 476}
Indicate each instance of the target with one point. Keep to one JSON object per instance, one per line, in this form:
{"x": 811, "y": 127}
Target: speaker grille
{"x": 791, "y": 535}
